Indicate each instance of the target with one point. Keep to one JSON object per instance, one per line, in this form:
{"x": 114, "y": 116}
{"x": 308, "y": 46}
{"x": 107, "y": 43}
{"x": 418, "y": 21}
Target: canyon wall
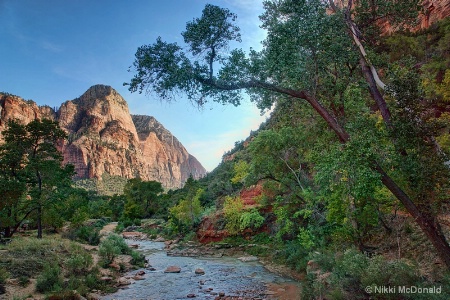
{"x": 103, "y": 137}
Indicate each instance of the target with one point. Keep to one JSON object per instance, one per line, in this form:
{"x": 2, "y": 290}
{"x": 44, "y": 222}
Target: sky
{"x": 52, "y": 51}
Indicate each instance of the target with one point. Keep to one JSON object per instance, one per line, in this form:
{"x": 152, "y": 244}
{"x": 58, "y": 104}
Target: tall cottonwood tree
{"x": 314, "y": 52}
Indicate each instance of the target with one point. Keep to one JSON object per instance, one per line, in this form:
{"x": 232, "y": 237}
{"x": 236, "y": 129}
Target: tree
{"x": 31, "y": 160}
{"x": 314, "y": 50}
{"x": 144, "y": 196}
{"x": 186, "y": 213}
{"x": 12, "y": 183}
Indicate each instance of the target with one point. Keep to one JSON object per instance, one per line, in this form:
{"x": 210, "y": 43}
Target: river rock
{"x": 140, "y": 273}
{"x": 191, "y": 296}
{"x": 137, "y": 277}
{"x": 173, "y": 269}
{"x": 248, "y": 258}
{"x": 106, "y": 278}
{"x": 199, "y": 271}
{"x": 93, "y": 296}
{"x": 135, "y": 246}
{"x": 114, "y": 265}
{"x": 123, "y": 281}
{"x": 131, "y": 234}
{"x": 160, "y": 239}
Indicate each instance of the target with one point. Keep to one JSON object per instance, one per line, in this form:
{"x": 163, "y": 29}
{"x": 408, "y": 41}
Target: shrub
{"x": 24, "y": 281}
{"x": 126, "y": 223}
{"x": 92, "y": 281}
{"x": 49, "y": 280}
{"x": 232, "y": 208}
{"x": 79, "y": 263}
{"x": 251, "y": 219}
{"x": 294, "y": 255}
{"x": 85, "y": 234}
{"x": 88, "y": 234}
{"x": 138, "y": 259}
{"x": 112, "y": 246}
{"x": 3, "y": 275}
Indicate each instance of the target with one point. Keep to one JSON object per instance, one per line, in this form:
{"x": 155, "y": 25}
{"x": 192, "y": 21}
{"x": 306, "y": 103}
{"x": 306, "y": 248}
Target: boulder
{"x": 173, "y": 269}
{"x": 123, "y": 281}
{"x": 199, "y": 271}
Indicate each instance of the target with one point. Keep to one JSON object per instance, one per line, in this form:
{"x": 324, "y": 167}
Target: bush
{"x": 88, "y": 234}
{"x": 112, "y": 246}
{"x": 251, "y": 219}
{"x": 3, "y": 275}
{"x": 126, "y": 223}
{"x": 85, "y": 234}
{"x": 138, "y": 259}
{"x": 79, "y": 263}
{"x": 49, "y": 280}
{"x": 345, "y": 276}
{"x": 24, "y": 281}
{"x": 294, "y": 255}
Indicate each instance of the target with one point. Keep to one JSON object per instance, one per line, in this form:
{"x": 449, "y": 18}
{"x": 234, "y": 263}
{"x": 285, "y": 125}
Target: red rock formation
{"x": 434, "y": 10}
{"x": 105, "y": 138}
{"x": 250, "y": 195}
{"x": 211, "y": 229}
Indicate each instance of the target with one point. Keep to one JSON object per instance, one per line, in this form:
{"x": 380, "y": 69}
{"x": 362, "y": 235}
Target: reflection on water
{"x": 222, "y": 275}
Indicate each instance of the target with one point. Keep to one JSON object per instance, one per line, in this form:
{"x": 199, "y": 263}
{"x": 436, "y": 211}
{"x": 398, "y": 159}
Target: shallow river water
{"x": 222, "y": 275}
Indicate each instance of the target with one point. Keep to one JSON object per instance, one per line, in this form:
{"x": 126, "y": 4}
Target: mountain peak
{"x": 99, "y": 91}
{"x": 105, "y": 140}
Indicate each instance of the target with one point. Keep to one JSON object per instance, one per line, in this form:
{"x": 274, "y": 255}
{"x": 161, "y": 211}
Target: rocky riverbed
{"x": 201, "y": 273}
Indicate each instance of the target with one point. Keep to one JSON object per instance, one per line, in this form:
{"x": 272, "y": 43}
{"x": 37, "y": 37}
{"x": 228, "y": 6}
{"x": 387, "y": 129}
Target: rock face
{"x": 105, "y": 138}
{"x": 432, "y": 11}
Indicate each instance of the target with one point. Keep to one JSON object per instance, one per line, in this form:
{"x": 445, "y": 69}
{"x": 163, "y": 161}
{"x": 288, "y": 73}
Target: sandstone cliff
{"x": 105, "y": 139}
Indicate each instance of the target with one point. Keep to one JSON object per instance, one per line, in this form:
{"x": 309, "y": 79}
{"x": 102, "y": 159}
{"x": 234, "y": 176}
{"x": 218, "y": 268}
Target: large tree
{"x": 321, "y": 53}
{"x": 32, "y": 164}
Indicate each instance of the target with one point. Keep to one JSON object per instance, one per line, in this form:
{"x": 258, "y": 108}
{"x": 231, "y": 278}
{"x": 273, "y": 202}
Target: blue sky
{"x": 54, "y": 50}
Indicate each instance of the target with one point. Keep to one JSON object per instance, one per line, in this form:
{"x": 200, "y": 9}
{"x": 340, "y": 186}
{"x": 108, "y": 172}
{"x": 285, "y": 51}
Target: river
{"x": 223, "y": 276}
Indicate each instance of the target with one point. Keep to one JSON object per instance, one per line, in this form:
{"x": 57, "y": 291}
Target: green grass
{"x": 50, "y": 260}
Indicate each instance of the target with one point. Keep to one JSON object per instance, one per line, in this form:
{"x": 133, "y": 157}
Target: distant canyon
{"x": 104, "y": 139}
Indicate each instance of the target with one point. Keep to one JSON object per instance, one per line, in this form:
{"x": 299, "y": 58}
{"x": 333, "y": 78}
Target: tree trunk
{"x": 39, "y": 222}
{"x": 431, "y": 230}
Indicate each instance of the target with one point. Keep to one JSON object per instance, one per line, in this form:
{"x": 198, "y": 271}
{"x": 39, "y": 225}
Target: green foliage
{"x": 349, "y": 274}
{"x": 238, "y": 219}
{"x": 108, "y": 185}
{"x": 251, "y": 219}
{"x": 85, "y": 234}
{"x": 138, "y": 259}
{"x": 294, "y": 255}
{"x": 111, "y": 247}
{"x": 142, "y": 199}
{"x": 79, "y": 263}
{"x": 241, "y": 170}
{"x": 31, "y": 164}
{"x": 334, "y": 151}
{"x": 50, "y": 279}
{"x": 187, "y": 213}
{"x": 4, "y": 275}
{"x": 232, "y": 208}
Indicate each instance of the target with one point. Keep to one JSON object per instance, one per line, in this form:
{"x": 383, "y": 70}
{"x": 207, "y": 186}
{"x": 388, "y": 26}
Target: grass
{"x": 50, "y": 260}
